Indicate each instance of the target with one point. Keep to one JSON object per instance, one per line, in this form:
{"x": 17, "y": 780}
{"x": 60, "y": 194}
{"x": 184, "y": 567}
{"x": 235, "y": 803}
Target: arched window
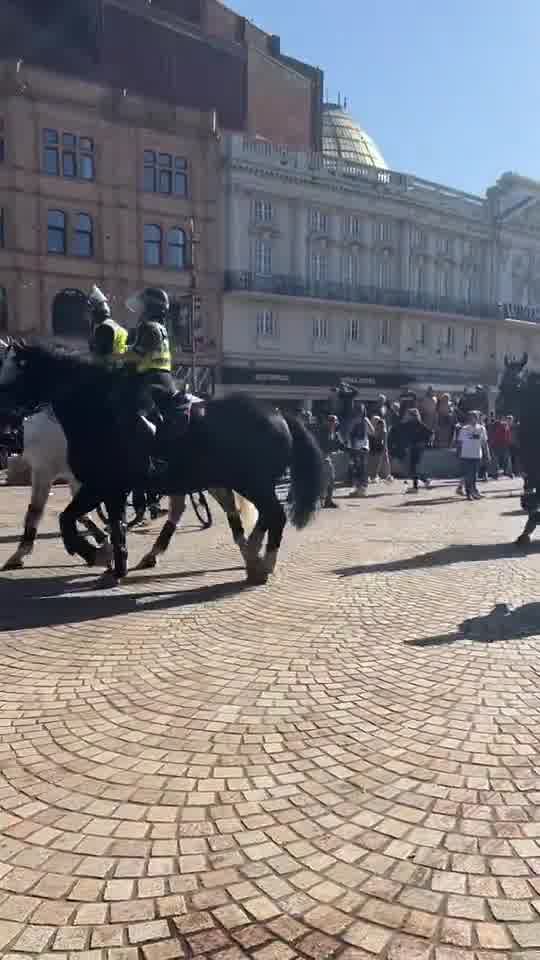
{"x": 176, "y": 248}
{"x": 152, "y": 245}
{"x": 70, "y": 314}
{"x": 3, "y": 309}
{"x": 83, "y": 237}
{"x": 56, "y": 231}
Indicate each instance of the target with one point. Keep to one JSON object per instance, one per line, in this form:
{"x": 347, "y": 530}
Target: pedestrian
{"x": 414, "y": 438}
{"x": 355, "y": 434}
{"x": 472, "y": 447}
{"x": 327, "y": 437}
{"x": 379, "y": 465}
{"x": 500, "y": 445}
{"x": 515, "y": 466}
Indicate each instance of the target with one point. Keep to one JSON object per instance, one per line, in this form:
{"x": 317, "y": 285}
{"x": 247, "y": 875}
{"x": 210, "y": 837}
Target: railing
{"x": 290, "y": 286}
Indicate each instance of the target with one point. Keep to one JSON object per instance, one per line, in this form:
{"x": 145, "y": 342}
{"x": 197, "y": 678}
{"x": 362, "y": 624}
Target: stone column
{"x": 365, "y": 273}
{"x": 405, "y": 255}
{"x": 299, "y": 240}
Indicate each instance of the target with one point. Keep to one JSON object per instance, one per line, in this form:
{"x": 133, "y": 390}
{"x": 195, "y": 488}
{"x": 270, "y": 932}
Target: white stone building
{"x": 337, "y": 266}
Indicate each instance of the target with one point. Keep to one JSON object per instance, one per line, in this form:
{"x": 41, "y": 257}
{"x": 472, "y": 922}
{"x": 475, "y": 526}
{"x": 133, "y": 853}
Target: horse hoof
{"x": 104, "y": 555}
{"x": 257, "y": 577}
{"x": 107, "y": 581}
{"x": 269, "y": 562}
{"x": 523, "y": 541}
{"x": 147, "y": 563}
{"x": 14, "y": 563}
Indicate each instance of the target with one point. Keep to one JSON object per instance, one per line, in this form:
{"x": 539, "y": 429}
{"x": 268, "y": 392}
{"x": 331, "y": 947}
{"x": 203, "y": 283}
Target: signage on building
{"x": 312, "y": 378}
{"x": 516, "y": 311}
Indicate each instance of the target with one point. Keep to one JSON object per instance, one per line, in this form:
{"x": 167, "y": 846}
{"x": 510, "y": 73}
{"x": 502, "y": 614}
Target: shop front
{"x": 309, "y": 389}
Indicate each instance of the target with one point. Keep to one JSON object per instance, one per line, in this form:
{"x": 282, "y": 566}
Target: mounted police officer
{"x": 150, "y": 353}
{"x": 108, "y": 340}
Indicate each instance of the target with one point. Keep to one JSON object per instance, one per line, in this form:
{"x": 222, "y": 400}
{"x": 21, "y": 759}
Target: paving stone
{"x": 302, "y": 770}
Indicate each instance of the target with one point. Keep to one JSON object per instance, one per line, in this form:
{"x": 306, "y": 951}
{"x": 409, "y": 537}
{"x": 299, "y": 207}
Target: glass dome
{"x": 343, "y": 139}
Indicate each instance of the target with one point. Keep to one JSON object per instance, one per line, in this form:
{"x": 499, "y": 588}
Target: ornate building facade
{"x": 337, "y": 266}
{"x": 101, "y": 187}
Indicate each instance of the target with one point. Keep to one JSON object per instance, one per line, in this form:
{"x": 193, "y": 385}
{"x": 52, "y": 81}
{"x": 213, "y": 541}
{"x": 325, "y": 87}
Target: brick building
{"x": 100, "y": 187}
{"x": 194, "y": 53}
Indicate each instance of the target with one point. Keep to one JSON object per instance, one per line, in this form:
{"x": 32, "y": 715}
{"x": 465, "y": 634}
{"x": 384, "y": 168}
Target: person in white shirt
{"x": 472, "y": 446}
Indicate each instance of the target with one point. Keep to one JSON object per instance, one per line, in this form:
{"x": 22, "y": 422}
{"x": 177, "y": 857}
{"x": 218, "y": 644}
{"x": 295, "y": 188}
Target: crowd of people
{"x": 486, "y": 446}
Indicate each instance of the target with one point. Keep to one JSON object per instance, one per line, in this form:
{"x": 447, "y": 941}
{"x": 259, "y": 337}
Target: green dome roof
{"x": 343, "y": 139}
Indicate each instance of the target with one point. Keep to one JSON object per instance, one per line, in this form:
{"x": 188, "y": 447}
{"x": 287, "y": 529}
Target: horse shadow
{"x": 446, "y": 556}
{"x": 502, "y": 623}
{"x": 41, "y": 602}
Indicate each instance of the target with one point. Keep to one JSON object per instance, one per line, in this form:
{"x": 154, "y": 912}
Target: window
{"x": 319, "y": 221}
{"x": 472, "y": 346}
{"x": 450, "y": 343}
{"x": 319, "y": 267}
{"x": 263, "y": 259}
{"x": 353, "y": 227}
{"x": 355, "y": 331}
{"x": 266, "y": 324}
{"x": 320, "y": 328}
{"x": 384, "y": 273}
{"x": 349, "y": 269}
{"x": 470, "y": 284}
{"x": 443, "y": 283}
{"x": 385, "y": 332}
{"x": 419, "y": 238}
{"x": 418, "y": 278}
{"x": 421, "y": 335}
{"x": 2, "y": 142}
{"x": 443, "y": 244}
{"x": 263, "y": 211}
{"x": 3, "y": 309}
{"x": 56, "y": 232}
{"x": 83, "y": 238}
{"x": 152, "y": 245}
{"x": 68, "y": 155}
{"x": 383, "y": 231}
{"x": 176, "y": 249}
{"x": 2, "y": 228}
{"x": 164, "y": 173}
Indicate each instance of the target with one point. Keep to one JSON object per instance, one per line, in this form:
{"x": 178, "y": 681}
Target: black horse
{"x": 509, "y": 396}
{"x": 239, "y": 445}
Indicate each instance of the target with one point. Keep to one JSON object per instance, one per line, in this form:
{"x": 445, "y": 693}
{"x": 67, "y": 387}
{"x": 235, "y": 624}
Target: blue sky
{"x": 449, "y": 89}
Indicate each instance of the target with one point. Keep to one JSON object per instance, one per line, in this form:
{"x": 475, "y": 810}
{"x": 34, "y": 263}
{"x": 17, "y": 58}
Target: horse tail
{"x": 306, "y": 473}
{"x": 248, "y": 512}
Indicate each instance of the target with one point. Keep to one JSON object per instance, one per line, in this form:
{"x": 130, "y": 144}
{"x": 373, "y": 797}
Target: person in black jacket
{"x": 414, "y": 437}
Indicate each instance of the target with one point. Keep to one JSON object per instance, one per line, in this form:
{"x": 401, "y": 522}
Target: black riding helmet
{"x": 151, "y": 303}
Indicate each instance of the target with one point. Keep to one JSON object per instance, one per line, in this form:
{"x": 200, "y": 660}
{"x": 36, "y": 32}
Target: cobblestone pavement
{"x": 337, "y": 765}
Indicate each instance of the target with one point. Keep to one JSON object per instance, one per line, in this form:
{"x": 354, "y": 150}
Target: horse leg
{"x": 525, "y": 538}
{"x": 177, "y": 505}
{"x": 276, "y": 518}
{"x": 116, "y": 508}
{"x": 83, "y": 502}
{"x": 99, "y": 535}
{"x": 227, "y": 502}
{"x": 41, "y": 488}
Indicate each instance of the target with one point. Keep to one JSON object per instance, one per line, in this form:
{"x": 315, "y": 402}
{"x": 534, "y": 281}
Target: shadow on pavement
{"x": 36, "y": 602}
{"x": 502, "y": 623}
{"x": 15, "y": 537}
{"x": 457, "y": 553}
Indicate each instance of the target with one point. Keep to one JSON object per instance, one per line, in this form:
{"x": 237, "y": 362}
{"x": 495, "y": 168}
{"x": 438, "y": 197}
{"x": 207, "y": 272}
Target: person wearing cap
{"x": 108, "y": 340}
{"x": 150, "y": 353}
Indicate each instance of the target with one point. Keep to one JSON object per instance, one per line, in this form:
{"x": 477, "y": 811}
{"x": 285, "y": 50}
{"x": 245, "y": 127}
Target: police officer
{"x": 150, "y": 353}
{"x": 108, "y": 340}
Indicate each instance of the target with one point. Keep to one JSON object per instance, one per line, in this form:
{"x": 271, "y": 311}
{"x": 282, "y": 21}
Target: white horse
{"x": 45, "y": 451}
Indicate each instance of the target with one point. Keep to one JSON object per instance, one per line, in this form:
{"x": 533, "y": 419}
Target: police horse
{"x": 239, "y": 445}
{"x": 519, "y": 394}
{"x": 45, "y": 450}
